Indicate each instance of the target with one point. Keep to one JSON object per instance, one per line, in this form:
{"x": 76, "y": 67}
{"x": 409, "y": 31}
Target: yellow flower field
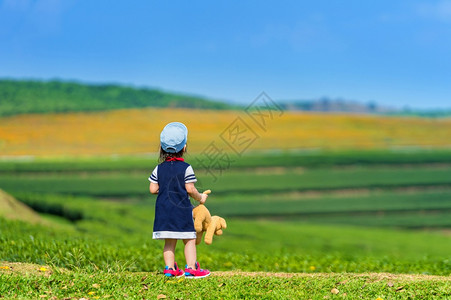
{"x": 136, "y": 131}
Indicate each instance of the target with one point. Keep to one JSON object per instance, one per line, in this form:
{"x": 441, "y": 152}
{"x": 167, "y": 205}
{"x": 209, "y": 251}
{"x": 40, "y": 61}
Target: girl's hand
{"x": 203, "y": 198}
{"x": 194, "y": 193}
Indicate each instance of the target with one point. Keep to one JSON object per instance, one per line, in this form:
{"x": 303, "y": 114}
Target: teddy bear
{"x": 204, "y": 222}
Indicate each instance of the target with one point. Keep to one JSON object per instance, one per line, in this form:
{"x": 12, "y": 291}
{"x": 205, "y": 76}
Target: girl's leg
{"x": 169, "y": 252}
{"x": 190, "y": 253}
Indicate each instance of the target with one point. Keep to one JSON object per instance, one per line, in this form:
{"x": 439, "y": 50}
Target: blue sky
{"x": 395, "y": 53}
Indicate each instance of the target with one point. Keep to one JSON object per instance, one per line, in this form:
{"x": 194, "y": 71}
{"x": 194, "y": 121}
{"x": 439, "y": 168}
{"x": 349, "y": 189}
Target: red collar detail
{"x": 174, "y": 159}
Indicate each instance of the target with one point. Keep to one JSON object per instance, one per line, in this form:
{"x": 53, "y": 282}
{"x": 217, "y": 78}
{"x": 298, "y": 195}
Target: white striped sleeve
{"x": 154, "y": 176}
{"x": 189, "y": 175}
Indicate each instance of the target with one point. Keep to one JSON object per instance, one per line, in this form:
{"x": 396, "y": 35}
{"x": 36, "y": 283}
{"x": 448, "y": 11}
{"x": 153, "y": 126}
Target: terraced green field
{"x": 260, "y": 181}
{"x": 352, "y": 218}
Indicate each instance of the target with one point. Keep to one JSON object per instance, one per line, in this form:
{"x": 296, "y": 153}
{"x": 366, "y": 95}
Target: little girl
{"x": 173, "y": 180}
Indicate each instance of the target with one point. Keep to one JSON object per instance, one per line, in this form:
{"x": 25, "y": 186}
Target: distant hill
{"x": 28, "y": 96}
{"x": 332, "y": 105}
{"x": 34, "y": 96}
{"x": 347, "y": 106}
{"x": 12, "y": 209}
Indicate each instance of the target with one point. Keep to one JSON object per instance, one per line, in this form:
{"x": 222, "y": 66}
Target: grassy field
{"x": 355, "y": 218}
{"x": 309, "y": 159}
{"x": 413, "y": 196}
{"x": 301, "y": 221}
{"x": 102, "y": 248}
{"x": 123, "y": 185}
{"x": 34, "y": 281}
{"x": 110, "y": 235}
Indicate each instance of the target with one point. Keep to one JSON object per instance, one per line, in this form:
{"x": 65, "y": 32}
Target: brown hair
{"x": 164, "y": 155}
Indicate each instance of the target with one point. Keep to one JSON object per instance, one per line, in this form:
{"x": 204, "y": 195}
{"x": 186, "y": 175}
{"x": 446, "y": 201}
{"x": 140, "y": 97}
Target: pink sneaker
{"x": 197, "y": 273}
{"x": 170, "y": 272}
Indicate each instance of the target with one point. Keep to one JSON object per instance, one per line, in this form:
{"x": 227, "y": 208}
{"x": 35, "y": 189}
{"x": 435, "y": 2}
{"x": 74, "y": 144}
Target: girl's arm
{"x": 154, "y": 188}
{"x": 192, "y": 191}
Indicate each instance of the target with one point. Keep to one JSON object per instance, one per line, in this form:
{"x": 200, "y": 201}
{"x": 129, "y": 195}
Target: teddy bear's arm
{"x": 202, "y": 218}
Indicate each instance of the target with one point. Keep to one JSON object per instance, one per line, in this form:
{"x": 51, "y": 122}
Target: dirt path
{"x": 372, "y": 276}
{"x": 27, "y": 268}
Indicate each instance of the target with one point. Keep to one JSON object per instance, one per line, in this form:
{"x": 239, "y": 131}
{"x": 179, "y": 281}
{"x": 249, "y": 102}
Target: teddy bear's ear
{"x": 223, "y": 223}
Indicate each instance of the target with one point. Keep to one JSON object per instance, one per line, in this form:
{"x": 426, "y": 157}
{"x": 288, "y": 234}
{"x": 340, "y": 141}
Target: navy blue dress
{"x": 173, "y": 209}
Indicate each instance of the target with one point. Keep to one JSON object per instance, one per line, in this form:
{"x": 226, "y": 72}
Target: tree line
{"x": 33, "y": 96}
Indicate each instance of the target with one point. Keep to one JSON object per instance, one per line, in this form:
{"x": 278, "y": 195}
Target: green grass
{"x": 418, "y": 220}
{"x": 110, "y": 232}
{"x": 406, "y": 196}
{"x": 245, "y": 181}
{"x": 316, "y": 221}
{"x": 117, "y": 285}
{"x": 308, "y": 159}
{"x": 332, "y": 202}
{"x": 327, "y": 179}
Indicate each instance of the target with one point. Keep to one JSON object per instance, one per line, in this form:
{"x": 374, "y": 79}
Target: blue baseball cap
{"x": 173, "y": 137}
